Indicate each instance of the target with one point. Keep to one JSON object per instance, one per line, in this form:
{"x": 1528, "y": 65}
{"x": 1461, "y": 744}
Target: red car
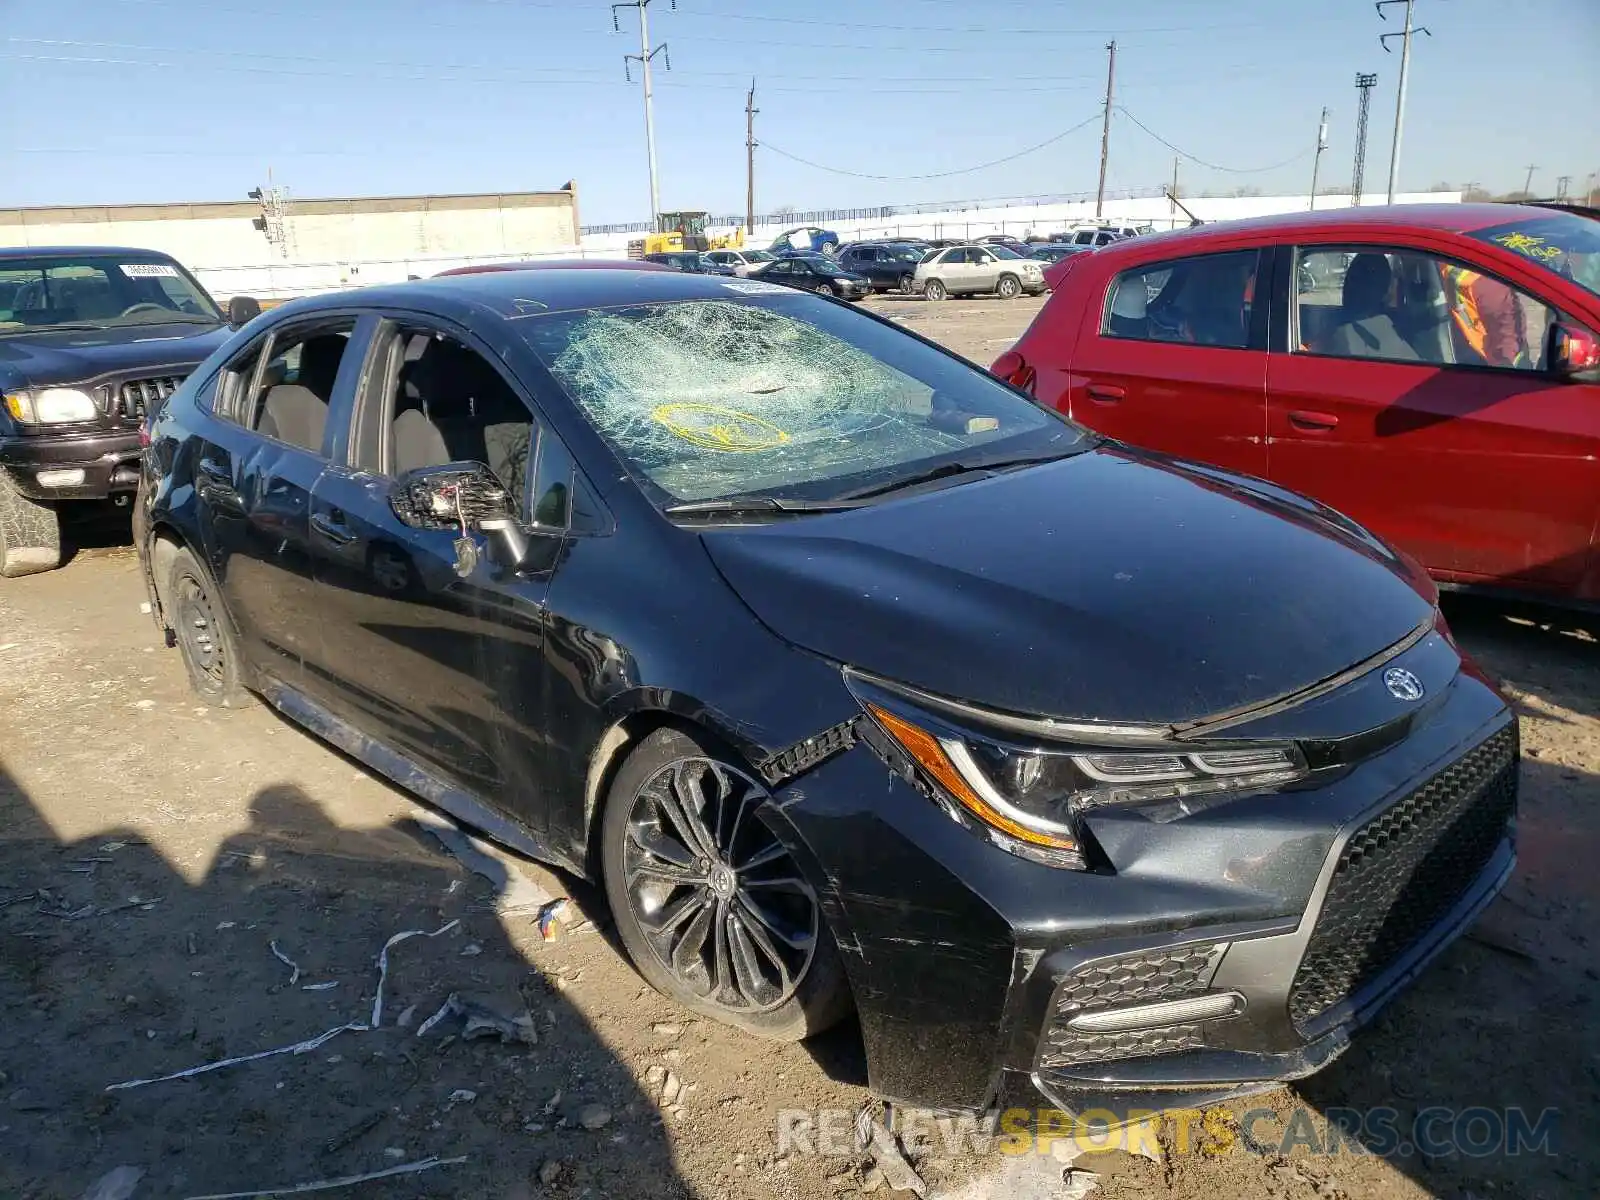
{"x": 1431, "y": 371}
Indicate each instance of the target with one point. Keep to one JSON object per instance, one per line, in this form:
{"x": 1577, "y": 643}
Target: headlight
{"x": 1028, "y": 799}
{"x": 52, "y": 406}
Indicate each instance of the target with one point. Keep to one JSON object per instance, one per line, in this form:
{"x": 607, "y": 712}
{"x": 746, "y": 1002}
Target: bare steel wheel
{"x": 710, "y": 903}
{"x": 205, "y": 637}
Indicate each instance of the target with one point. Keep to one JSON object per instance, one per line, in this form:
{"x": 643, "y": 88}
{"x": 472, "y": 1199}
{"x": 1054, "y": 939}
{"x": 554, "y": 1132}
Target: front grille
{"x": 1116, "y": 983}
{"x": 1399, "y": 874}
{"x": 133, "y": 398}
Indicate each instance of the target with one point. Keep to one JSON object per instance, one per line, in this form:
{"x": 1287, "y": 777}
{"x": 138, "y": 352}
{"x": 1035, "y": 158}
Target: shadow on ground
{"x": 114, "y": 968}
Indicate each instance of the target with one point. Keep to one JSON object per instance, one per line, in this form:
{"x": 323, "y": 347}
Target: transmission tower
{"x": 1364, "y": 85}
{"x": 273, "y": 221}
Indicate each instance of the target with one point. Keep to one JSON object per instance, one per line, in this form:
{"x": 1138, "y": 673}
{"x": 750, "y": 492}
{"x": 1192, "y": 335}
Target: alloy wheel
{"x": 1009, "y": 288}
{"x": 721, "y": 903}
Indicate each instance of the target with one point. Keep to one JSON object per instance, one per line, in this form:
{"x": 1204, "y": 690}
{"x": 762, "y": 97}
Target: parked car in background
{"x": 1053, "y": 252}
{"x": 815, "y": 273}
{"x": 1001, "y": 239}
{"x": 92, "y": 340}
{"x": 695, "y": 262}
{"x": 740, "y": 262}
{"x": 969, "y": 270}
{"x": 1100, "y": 235}
{"x": 1432, "y": 371}
{"x": 753, "y": 609}
{"x": 888, "y": 266}
{"x": 805, "y": 238}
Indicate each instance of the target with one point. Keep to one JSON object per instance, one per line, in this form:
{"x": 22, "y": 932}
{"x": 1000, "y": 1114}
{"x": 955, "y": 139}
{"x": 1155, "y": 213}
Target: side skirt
{"x": 399, "y": 769}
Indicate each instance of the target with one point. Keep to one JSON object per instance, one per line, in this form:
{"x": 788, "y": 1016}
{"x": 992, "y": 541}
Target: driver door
{"x": 429, "y": 645}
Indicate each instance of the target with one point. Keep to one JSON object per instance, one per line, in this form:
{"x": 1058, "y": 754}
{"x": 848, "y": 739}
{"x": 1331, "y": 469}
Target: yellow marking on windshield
{"x": 714, "y": 427}
{"x": 1526, "y": 243}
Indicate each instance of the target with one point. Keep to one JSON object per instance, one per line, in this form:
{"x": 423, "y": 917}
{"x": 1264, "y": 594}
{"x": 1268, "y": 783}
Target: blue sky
{"x": 155, "y": 100}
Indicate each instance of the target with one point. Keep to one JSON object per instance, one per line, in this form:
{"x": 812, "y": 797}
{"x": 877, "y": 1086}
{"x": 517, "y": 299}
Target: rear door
{"x": 254, "y": 473}
{"x": 1412, "y": 395}
{"x": 1171, "y": 355}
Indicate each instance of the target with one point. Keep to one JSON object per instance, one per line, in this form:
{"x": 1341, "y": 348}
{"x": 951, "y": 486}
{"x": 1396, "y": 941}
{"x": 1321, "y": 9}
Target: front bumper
{"x": 109, "y": 462}
{"x": 974, "y": 971}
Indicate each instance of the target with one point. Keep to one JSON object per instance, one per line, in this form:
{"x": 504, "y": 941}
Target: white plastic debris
{"x": 116, "y": 1184}
{"x": 293, "y": 966}
{"x": 310, "y": 1043}
{"x": 899, "y": 1173}
{"x": 325, "y": 1185}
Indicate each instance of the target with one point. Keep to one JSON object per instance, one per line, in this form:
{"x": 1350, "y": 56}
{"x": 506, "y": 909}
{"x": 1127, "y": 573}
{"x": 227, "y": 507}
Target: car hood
{"x": 1111, "y": 586}
{"x": 77, "y": 356}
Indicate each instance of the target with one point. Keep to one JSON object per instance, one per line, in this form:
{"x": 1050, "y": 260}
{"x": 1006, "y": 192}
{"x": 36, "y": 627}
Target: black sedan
{"x": 1053, "y": 252}
{"x": 854, "y": 675}
{"x": 815, "y": 273}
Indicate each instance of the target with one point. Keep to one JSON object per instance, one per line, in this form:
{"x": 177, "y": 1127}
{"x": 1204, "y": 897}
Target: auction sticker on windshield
{"x": 755, "y": 287}
{"x": 149, "y": 271}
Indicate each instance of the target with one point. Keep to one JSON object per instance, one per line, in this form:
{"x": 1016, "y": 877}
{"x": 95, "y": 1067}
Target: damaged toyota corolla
{"x": 859, "y": 679}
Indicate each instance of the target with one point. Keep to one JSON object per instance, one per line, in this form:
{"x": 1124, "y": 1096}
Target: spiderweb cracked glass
{"x": 714, "y": 397}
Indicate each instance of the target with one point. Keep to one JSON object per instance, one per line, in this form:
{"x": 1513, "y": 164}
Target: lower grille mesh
{"x": 1116, "y": 983}
{"x": 1403, "y": 871}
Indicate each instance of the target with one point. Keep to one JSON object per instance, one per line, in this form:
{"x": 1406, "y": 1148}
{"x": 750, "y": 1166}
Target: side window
{"x": 281, "y": 387}
{"x": 1204, "y": 301}
{"x": 442, "y": 402}
{"x": 1402, "y": 305}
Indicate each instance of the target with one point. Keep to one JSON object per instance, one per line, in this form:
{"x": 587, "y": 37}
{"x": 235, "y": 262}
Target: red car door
{"x": 1171, "y": 355}
{"x": 1413, "y": 396}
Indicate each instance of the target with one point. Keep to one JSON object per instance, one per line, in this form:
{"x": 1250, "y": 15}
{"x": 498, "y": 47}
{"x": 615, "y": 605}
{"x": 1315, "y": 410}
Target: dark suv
{"x": 91, "y": 338}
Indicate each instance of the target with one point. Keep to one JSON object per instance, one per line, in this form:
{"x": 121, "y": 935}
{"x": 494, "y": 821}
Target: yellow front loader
{"x": 683, "y": 231}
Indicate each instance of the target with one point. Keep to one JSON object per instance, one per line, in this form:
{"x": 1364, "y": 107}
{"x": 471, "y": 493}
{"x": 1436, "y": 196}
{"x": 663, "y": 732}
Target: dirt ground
{"x": 156, "y": 858}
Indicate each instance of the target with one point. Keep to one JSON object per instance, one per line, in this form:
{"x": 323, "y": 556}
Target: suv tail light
{"x": 1014, "y": 369}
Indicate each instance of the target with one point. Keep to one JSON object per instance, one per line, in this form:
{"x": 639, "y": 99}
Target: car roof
{"x": 1454, "y": 218}
{"x": 11, "y": 252}
{"x": 528, "y": 293}
{"x": 575, "y": 264}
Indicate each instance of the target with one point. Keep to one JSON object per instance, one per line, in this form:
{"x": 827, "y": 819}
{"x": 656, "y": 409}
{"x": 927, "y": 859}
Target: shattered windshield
{"x": 98, "y": 292}
{"x": 779, "y": 395}
{"x": 1564, "y": 243}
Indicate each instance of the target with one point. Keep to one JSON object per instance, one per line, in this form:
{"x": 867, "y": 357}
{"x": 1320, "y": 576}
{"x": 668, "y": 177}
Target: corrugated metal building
{"x": 324, "y": 244}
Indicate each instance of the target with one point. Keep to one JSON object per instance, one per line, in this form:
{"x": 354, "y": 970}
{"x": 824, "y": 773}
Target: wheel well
{"x": 613, "y": 749}
{"x": 164, "y": 546}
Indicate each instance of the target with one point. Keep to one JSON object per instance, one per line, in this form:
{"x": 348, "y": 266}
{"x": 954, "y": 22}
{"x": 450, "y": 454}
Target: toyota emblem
{"x": 1402, "y": 684}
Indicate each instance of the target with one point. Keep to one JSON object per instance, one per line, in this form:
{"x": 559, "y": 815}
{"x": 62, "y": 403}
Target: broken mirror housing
{"x": 449, "y": 497}
{"x": 1027, "y": 798}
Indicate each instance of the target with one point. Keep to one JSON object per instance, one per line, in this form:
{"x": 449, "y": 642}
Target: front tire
{"x": 934, "y": 290}
{"x": 30, "y": 533}
{"x": 826, "y": 289}
{"x": 205, "y": 635}
{"x": 713, "y": 910}
{"x": 1009, "y": 287}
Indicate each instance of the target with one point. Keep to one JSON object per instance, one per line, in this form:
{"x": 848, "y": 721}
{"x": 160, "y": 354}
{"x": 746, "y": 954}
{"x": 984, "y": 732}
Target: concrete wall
{"x": 329, "y": 243}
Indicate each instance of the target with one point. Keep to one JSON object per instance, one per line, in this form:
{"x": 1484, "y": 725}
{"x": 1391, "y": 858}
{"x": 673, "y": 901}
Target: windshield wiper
{"x": 754, "y": 506}
{"x": 947, "y": 470}
{"x": 68, "y": 328}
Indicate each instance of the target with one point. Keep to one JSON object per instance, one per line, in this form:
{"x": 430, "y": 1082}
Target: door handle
{"x": 1105, "y": 393}
{"x": 335, "y": 530}
{"x": 1312, "y": 422}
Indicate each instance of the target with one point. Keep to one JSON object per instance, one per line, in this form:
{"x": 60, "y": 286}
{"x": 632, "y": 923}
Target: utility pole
{"x": 1364, "y": 85}
{"x": 1316, "y": 161}
{"x": 643, "y": 58}
{"x": 1105, "y": 131}
{"x": 1173, "y": 194}
{"x": 1400, "y": 93}
{"x": 750, "y": 111}
{"x": 1527, "y": 186}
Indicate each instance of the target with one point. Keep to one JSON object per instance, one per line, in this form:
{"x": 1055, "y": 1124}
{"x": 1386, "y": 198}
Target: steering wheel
{"x": 143, "y": 306}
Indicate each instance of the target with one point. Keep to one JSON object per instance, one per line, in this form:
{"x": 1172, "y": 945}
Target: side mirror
{"x": 1574, "y": 354}
{"x": 448, "y": 497}
{"x": 242, "y": 310}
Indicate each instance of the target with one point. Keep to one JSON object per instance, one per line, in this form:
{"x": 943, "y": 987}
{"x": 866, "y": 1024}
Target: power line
{"x": 1195, "y": 158}
{"x": 936, "y": 174}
